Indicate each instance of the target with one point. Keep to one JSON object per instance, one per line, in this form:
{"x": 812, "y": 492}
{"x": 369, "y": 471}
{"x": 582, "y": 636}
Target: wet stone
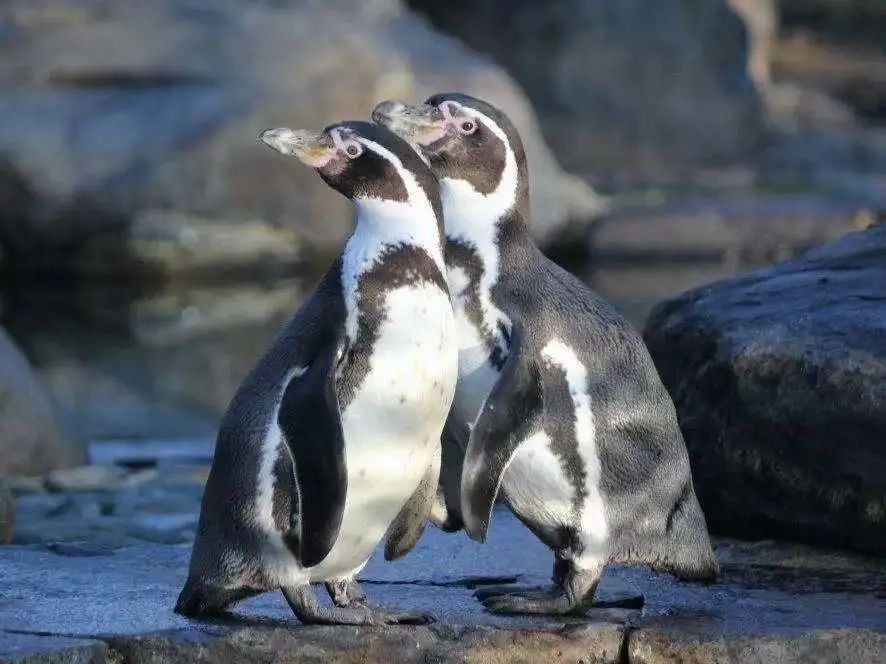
{"x": 85, "y": 478}
{"x": 35, "y": 649}
{"x": 111, "y": 563}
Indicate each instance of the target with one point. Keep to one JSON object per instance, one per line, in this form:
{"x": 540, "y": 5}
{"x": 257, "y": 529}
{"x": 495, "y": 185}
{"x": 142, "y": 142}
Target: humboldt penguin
{"x": 333, "y": 439}
{"x": 558, "y": 403}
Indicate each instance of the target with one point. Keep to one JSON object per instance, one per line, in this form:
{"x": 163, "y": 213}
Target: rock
{"x": 175, "y": 245}
{"x": 733, "y": 230}
{"x": 7, "y": 513}
{"x": 592, "y": 645}
{"x": 157, "y": 106}
{"x": 161, "y": 365}
{"x": 761, "y": 22}
{"x": 26, "y": 484}
{"x": 794, "y": 601}
{"x": 34, "y": 649}
{"x": 30, "y": 441}
{"x": 86, "y": 478}
{"x": 651, "y": 646}
{"x": 779, "y": 378}
{"x": 851, "y": 73}
{"x": 862, "y": 19}
{"x": 636, "y": 88}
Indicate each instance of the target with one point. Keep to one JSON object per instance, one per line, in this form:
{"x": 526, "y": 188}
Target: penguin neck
{"x": 491, "y": 225}
{"x": 382, "y": 224}
{"x": 486, "y": 236}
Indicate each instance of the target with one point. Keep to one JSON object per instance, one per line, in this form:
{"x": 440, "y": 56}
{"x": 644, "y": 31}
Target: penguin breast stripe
{"x": 593, "y": 516}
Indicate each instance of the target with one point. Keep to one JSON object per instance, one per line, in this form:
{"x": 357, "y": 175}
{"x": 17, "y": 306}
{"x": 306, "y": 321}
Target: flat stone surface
{"x": 36, "y": 649}
{"x": 773, "y": 598}
{"x": 105, "y": 566}
{"x": 654, "y": 646}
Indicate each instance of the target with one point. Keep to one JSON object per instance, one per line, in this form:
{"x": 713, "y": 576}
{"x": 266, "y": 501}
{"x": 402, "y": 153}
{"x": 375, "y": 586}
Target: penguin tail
{"x": 688, "y": 553}
{"x": 683, "y": 549}
{"x": 198, "y": 598}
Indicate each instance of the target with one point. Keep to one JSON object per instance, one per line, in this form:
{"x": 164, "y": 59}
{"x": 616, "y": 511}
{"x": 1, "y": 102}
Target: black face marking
{"x": 371, "y": 175}
{"x": 561, "y": 431}
{"x": 463, "y": 255}
{"x": 479, "y": 157}
{"x": 400, "y": 265}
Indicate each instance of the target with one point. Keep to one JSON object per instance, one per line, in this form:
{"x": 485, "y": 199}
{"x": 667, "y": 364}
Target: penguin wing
{"x": 310, "y": 421}
{"x": 511, "y": 410}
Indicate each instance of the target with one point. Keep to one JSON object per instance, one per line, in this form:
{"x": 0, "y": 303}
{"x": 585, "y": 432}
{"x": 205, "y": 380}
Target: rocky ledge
{"x": 100, "y": 554}
{"x": 779, "y": 378}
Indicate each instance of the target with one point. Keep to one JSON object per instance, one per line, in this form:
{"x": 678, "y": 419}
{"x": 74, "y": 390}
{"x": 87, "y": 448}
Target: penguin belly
{"x": 393, "y": 423}
{"x": 535, "y": 486}
{"x": 476, "y": 376}
{"x": 553, "y": 479}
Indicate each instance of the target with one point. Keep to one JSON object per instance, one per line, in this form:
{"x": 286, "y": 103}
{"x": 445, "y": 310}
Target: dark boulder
{"x": 7, "y": 513}
{"x": 779, "y": 377}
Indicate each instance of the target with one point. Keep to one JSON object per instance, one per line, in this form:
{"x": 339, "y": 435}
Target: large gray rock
{"x": 112, "y": 108}
{"x": 779, "y": 377}
{"x": 30, "y": 441}
{"x": 7, "y": 513}
{"x": 634, "y": 87}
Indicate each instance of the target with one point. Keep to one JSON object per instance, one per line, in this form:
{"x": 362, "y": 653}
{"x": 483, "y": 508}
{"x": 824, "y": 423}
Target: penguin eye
{"x": 467, "y": 127}
{"x": 353, "y": 150}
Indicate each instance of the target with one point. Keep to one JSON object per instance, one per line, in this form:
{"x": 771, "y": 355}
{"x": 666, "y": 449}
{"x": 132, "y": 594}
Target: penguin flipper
{"x": 510, "y": 412}
{"x": 409, "y": 525}
{"x": 446, "y": 513}
{"x": 310, "y": 421}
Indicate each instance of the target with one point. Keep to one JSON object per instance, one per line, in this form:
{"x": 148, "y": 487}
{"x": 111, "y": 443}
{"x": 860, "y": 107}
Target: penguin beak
{"x": 310, "y": 148}
{"x": 421, "y": 125}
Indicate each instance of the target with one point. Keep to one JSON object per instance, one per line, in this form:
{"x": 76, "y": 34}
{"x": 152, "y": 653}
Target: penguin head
{"x": 469, "y": 143}
{"x": 361, "y": 160}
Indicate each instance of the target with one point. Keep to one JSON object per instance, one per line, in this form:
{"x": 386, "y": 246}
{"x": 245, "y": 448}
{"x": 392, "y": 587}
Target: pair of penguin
{"x": 441, "y": 318}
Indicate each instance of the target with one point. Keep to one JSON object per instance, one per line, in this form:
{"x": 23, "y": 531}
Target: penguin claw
{"x": 383, "y": 617}
{"x": 493, "y": 592}
{"x": 506, "y": 604}
{"x": 417, "y": 618}
{"x": 501, "y": 604}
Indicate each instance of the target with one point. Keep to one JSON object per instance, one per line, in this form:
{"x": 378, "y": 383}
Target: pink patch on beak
{"x": 319, "y": 159}
{"x": 431, "y": 135}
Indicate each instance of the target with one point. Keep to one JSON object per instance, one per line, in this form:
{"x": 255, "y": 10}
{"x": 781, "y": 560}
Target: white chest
{"x": 392, "y": 426}
{"x": 476, "y": 376}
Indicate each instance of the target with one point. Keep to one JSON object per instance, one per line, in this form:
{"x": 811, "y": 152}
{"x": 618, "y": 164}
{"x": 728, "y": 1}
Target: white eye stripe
{"x": 466, "y": 120}
{"x": 489, "y": 123}
{"x": 350, "y": 145}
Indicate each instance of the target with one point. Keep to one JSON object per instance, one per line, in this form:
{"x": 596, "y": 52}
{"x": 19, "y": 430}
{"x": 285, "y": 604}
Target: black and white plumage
{"x": 333, "y": 440}
{"x": 558, "y": 403}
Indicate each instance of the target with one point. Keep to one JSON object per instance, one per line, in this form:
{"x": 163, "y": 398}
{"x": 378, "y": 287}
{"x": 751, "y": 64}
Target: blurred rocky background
{"x": 150, "y": 247}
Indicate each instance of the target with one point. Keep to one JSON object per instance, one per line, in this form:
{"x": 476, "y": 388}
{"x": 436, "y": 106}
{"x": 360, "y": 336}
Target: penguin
{"x": 333, "y": 440}
{"x": 558, "y": 405}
